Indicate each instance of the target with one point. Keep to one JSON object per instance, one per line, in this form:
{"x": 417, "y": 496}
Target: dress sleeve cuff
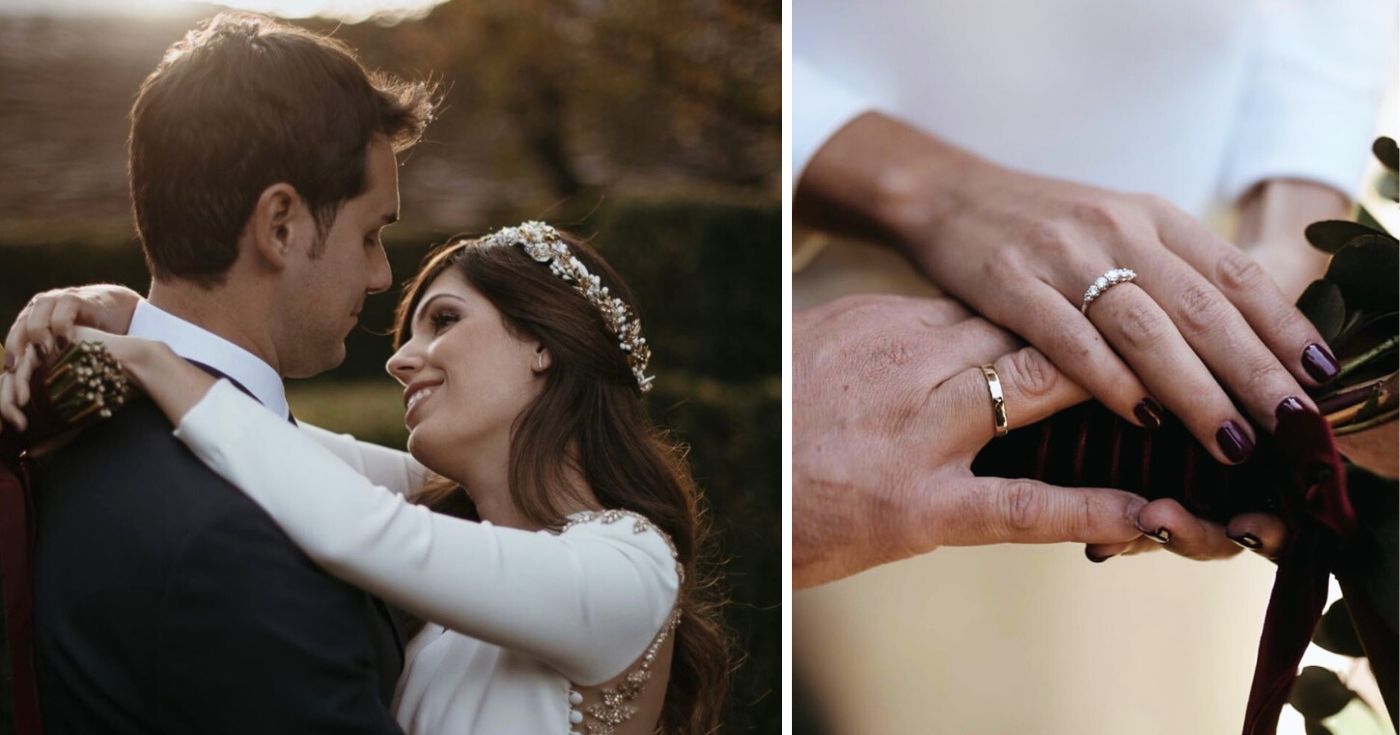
{"x": 820, "y": 107}
{"x": 214, "y": 423}
{"x": 1314, "y": 90}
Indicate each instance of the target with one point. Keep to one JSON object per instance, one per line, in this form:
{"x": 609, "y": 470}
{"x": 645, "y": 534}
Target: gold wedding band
{"x": 998, "y": 400}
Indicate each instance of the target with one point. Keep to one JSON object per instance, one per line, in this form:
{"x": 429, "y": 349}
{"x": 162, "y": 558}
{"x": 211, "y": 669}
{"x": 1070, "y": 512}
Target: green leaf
{"x": 1371, "y": 555}
{"x": 1331, "y": 235}
{"x": 1365, "y": 271}
{"x": 1335, "y": 632}
{"x": 1364, "y": 217}
{"x": 1386, "y": 151}
{"x": 1318, "y": 693}
{"x": 1388, "y": 185}
{"x": 1322, "y": 303}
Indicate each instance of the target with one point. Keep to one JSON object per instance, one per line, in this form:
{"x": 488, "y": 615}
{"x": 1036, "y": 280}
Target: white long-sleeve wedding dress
{"x": 519, "y": 620}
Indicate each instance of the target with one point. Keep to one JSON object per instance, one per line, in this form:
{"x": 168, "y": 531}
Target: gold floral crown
{"x": 544, "y": 245}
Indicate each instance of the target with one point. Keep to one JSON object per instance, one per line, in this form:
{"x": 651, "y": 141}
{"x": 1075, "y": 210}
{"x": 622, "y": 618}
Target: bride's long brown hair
{"x": 590, "y": 411}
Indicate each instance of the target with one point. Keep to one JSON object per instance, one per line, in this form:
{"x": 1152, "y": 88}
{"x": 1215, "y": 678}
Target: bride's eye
{"x": 442, "y": 319}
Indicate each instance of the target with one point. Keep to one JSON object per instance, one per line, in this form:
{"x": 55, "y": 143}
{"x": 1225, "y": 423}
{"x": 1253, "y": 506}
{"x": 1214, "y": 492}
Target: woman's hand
{"x": 1200, "y": 319}
{"x": 889, "y": 410}
{"x": 49, "y": 317}
{"x": 174, "y": 384}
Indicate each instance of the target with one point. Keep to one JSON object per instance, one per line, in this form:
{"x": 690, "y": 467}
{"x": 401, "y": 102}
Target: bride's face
{"x": 466, "y": 377}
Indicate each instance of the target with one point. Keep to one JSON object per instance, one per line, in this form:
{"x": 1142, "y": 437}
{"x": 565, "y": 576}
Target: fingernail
{"x": 1319, "y": 363}
{"x": 1095, "y": 558}
{"x": 1149, "y": 413}
{"x": 1236, "y": 444}
{"x": 1288, "y": 407}
{"x": 62, "y": 343}
{"x": 1247, "y": 540}
{"x": 1161, "y": 535}
{"x": 9, "y": 362}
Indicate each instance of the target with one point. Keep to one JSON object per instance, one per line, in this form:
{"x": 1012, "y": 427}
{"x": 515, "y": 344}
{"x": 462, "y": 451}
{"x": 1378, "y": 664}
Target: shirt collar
{"x": 195, "y": 343}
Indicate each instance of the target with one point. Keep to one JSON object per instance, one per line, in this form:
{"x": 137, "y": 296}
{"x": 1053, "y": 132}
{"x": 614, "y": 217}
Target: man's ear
{"x": 278, "y": 224}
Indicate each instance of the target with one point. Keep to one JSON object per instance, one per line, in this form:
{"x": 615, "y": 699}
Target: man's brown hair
{"x": 243, "y": 102}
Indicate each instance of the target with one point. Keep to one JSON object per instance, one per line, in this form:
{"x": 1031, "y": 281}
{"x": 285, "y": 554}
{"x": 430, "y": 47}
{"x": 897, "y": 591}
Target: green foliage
{"x": 1335, "y": 632}
{"x": 1356, "y": 308}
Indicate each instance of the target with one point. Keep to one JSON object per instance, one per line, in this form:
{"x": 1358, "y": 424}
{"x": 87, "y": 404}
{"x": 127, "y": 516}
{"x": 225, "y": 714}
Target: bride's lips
{"x": 415, "y": 394}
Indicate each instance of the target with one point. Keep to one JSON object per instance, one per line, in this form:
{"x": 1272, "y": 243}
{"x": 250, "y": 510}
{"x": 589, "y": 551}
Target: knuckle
{"x": 1265, "y": 378}
{"x": 1141, "y": 325}
{"x": 1201, "y": 308}
{"x": 1023, "y": 506}
{"x": 1105, "y": 215}
{"x": 1240, "y": 273}
{"x": 1032, "y": 374}
{"x": 1067, "y": 342}
{"x": 1051, "y": 239}
{"x": 1155, "y": 203}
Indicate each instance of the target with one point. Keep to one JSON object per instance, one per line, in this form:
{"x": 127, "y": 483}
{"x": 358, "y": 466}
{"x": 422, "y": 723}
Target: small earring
{"x": 539, "y": 361}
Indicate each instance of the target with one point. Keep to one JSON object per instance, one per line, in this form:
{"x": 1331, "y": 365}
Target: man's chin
{"x": 324, "y": 361}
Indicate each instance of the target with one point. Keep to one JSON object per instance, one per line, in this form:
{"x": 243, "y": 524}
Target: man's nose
{"x": 381, "y": 277}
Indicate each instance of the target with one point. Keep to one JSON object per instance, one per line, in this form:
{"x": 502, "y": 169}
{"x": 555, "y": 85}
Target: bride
{"x": 552, "y": 558}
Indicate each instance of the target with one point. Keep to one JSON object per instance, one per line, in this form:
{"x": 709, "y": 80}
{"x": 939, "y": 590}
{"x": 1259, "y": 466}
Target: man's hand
{"x": 1201, "y": 326}
{"x": 889, "y": 409}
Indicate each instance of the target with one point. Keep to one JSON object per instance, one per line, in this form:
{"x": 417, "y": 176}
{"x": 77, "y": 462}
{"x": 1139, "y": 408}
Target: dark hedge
{"x": 707, "y": 278}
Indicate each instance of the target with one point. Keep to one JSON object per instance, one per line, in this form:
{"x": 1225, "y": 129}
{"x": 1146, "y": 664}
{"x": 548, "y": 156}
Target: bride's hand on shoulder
{"x": 49, "y": 318}
{"x": 175, "y": 385}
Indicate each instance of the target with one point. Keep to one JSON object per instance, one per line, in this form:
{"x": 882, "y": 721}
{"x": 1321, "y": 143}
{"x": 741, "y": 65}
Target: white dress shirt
{"x": 519, "y": 617}
{"x": 198, "y": 344}
{"x": 1194, "y": 100}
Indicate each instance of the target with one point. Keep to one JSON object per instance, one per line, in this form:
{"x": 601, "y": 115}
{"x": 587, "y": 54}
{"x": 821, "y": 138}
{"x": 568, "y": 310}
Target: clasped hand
{"x": 889, "y": 409}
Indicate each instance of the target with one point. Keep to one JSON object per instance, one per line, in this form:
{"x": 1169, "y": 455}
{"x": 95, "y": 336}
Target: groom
{"x": 262, "y": 170}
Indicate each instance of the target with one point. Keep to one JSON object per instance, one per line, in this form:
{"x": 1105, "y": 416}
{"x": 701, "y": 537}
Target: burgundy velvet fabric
{"x": 16, "y": 560}
{"x": 1295, "y": 473}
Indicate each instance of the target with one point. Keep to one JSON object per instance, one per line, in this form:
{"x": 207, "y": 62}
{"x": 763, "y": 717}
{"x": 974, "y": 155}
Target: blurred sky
{"x": 352, "y": 11}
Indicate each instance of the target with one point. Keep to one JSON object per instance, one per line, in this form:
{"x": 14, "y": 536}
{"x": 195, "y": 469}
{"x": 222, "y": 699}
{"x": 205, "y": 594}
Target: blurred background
{"x": 653, "y": 128}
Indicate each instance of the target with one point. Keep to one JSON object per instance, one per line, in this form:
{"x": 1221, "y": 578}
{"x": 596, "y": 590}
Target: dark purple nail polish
{"x": 1161, "y": 535}
{"x": 1093, "y": 558}
{"x": 1288, "y": 407}
{"x": 1247, "y": 540}
{"x": 1149, "y": 413}
{"x": 1236, "y": 444}
{"x": 1319, "y": 363}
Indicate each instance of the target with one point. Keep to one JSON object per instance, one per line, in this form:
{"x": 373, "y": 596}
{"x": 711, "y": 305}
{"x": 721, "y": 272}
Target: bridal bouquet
{"x": 81, "y": 386}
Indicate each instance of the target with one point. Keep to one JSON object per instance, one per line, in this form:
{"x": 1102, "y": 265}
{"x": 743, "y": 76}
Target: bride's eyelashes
{"x": 442, "y": 319}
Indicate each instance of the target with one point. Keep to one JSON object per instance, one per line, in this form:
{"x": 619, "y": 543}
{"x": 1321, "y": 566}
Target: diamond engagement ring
{"x": 1103, "y": 283}
{"x": 998, "y": 401}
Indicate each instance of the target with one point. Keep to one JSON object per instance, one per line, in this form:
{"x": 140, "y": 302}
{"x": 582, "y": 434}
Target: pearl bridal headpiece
{"x": 543, "y": 243}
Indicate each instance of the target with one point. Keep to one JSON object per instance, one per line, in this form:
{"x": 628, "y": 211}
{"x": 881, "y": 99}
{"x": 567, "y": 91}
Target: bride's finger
{"x": 9, "y": 412}
{"x": 38, "y": 327}
{"x": 1165, "y": 521}
{"x": 14, "y": 339}
{"x": 1261, "y": 533}
{"x": 65, "y": 315}
{"x": 24, "y": 373}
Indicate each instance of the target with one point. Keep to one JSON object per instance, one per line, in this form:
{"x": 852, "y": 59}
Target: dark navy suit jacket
{"x": 166, "y": 601}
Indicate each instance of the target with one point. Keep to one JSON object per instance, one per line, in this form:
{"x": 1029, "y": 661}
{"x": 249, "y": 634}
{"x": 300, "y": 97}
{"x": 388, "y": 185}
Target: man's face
{"x": 324, "y": 294}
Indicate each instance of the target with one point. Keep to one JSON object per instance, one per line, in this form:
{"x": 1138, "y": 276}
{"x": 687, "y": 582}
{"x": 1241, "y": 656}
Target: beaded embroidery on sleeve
{"x": 617, "y": 706}
{"x": 544, "y": 244}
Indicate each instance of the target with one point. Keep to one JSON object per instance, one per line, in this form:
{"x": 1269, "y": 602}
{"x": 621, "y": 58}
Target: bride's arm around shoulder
{"x": 394, "y": 469}
{"x": 587, "y": 601}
